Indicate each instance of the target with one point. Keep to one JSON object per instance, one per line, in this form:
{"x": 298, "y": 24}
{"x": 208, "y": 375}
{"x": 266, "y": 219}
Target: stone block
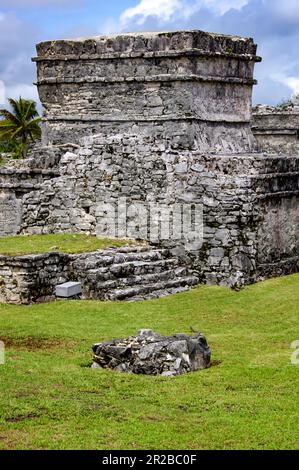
{"x": 68, "y": 289}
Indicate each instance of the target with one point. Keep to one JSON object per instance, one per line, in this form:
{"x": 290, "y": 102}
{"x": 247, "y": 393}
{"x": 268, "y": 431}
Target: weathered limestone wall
{"x": 241, "y": 197}
{"x": 276, "y": 129}
{"x": 188, "y": 89}
{"x": 26, "y": 279}
{"x": 10, "y": 213}
{"x": 20, "y": 177}
{"x": 277, "y": 190}
{"x": 165, "y": 118}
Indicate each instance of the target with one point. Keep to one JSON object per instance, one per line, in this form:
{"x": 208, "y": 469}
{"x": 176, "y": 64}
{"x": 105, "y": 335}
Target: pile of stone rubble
{"x": 153, "y": 354}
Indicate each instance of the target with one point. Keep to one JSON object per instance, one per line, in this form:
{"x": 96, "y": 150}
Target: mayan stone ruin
{"x": 160, "y": 118}
{"x": 151, "y": 353}
{"x": 276, "y": 128}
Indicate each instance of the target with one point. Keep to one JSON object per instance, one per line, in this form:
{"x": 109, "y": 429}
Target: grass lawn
{"x": 51, "y": 399}
{"x": 63, "y": 242}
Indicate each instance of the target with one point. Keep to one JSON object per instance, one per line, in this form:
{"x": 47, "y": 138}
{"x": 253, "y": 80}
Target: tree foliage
{"x": 21, "y": 124}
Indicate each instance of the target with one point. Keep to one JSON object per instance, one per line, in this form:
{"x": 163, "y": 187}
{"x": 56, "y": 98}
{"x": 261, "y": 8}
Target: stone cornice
{"x": 191, "y": 52}
{"x": 135, "y": 118}
{"x": 153, "y": 78}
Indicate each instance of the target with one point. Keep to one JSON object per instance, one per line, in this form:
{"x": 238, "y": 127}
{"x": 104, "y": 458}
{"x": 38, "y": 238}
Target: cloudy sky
{"x": 274, "y": 24}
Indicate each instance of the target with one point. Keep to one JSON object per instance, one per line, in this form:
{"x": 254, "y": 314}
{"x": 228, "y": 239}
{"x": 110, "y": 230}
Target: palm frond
{"x": 15, "y": 105}
{"x": 21, "y": 123}
{"x": 31, "y": 111}
{"x": 8, "y": 115}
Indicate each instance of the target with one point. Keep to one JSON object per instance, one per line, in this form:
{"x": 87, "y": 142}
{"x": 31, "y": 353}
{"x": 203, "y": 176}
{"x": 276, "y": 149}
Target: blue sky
{"x": 274, "y": 24}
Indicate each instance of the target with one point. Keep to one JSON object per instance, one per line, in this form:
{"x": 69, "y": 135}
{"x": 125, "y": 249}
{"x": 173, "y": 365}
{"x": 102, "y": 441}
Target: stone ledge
{"x": 154, "y": 78}
{"x": 278, "y": 268}
{"x": 27, "y": 171}
{"x": 31, "y": 258}
{"x": 264, "y": 176}
{"x": 281, "y": 194}
{"x": 161, "y": 42}
{"x": 135, "y": 118}
{"x": 269, "y": 131}
{"x": 20, "y": 186}
{"x": 147, "y": 55}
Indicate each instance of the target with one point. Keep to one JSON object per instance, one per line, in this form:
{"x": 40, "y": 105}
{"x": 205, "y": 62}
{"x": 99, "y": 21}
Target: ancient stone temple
{"x": 189, "y": 90}
{"x": 160, "y": 118}
{"x": 276, "y": 128}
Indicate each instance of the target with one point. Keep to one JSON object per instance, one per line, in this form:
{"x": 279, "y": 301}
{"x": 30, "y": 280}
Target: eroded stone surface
{"x": 126, "y": 273}
{"x": 187, "y": 88}
{"x": 159, "y": 118}
{"x": 153, "y": 354}
{"x": 276, "y": 128}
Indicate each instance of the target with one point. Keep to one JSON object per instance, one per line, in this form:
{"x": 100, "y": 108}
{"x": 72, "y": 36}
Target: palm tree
{"x": 20, "y": 124}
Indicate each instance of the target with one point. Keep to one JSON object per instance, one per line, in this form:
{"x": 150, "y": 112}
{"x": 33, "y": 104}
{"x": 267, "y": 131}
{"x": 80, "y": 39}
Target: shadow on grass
{"x": 33, "y": 343}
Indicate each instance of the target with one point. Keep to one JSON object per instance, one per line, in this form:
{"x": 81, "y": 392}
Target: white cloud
{"x": 222, "y": 6}
{"x": 291, "y": 82}
{"x": 168, "y": 10}
{"x": 285, "y": 9}
{"x": 22, "y": 89}
{"x": 109, "y": 26}
{"x": 17, "y": 72}
{"x": 162, "y": 9}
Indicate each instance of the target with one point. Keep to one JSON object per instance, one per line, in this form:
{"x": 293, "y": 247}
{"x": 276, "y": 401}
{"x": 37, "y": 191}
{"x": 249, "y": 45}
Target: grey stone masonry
{"x": 20, "y": 177}
{"x": 250, "y": 202}
{"x": 127, "y": 273}
{"x": 160, "y": 118}
{"x": 276, "y": 128}
{"x": 187, "y": 88}
{"x": 153, "y": 354}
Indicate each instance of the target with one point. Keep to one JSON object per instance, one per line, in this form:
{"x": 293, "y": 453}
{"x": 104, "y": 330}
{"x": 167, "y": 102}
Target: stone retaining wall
{"x": 114, "y": 274}
{"x": 30, "y": 278}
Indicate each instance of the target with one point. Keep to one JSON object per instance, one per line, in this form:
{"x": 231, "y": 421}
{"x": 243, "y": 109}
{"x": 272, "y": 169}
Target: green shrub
{"x": 12, "y": 147}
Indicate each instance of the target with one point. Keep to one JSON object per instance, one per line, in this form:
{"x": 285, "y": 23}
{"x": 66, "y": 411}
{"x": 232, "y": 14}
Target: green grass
{"x": 63, "y": 242}
{"x": 51, "y": 399}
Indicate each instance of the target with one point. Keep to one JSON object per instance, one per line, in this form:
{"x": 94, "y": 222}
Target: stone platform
{"x": 160, "y": 118}
{"x": 127, "y": 273}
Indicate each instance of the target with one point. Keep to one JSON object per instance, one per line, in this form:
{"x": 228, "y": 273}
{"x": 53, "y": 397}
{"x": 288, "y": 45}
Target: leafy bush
{"x": 20, "y": 126}
{"x": 13, "y": 148}
{"x": 284, "y": 104}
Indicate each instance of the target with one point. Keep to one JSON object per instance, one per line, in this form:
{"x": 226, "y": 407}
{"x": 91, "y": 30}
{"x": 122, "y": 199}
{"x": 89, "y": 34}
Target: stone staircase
{"x": 131, "y": 273}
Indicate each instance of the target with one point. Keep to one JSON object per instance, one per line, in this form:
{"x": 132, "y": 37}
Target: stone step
{"x": 135, "y": 280}
{"x": 141, "y": 291}
{"x": 157, "y": 294}
{"x": 104, "y": 258}
{"x": 130, "y": 268}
